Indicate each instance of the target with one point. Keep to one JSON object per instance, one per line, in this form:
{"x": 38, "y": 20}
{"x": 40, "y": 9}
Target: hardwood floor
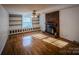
{"x": 25, "y": 44}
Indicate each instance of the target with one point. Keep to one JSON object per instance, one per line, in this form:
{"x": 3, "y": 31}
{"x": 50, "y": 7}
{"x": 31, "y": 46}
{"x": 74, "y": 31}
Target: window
{"x": 26, "y": 22}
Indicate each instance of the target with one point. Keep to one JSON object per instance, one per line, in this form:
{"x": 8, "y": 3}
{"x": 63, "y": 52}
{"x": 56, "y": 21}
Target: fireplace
{"x": 51, "y": 28}
{"x": 52, "y": 23}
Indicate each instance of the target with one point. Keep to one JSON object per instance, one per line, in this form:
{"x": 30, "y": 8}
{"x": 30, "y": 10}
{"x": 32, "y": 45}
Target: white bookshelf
{"x": 15, "y": 25}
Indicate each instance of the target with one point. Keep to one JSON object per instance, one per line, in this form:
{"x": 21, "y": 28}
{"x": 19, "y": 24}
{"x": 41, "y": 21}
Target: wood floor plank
{"x": 25, "y": 44}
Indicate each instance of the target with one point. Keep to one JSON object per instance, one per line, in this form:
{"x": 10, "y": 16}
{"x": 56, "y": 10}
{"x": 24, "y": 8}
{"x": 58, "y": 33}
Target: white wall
{"x": 4, "y": 26}
{"x": 42, "y": 22}
{"x": 69, "y": 23}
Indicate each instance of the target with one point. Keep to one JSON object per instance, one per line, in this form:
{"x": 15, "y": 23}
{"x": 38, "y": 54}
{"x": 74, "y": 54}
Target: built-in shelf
{"x": 15, "y": 24}
{"x": 35, "y": 20}
{"x": 15, "y": 20}
{"x": 14, "y": 15}
{"x": 36, "y": 23}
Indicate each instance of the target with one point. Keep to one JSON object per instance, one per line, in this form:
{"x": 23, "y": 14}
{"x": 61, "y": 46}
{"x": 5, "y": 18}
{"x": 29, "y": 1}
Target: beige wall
{"x": 69, "y": 23}
{"x": 4, "y": 26}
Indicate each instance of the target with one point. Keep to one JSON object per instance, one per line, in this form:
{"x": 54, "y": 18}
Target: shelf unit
{"x": 15, "y": 24}
{"x": 15, "y": 19}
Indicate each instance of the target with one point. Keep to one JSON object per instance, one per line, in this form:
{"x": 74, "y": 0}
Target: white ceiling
{"x": 11, "y": 8}
{"x": 28, "y": 8}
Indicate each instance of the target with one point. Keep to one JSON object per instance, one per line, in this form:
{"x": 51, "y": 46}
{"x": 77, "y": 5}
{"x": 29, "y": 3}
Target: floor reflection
{"x": 27, "y": 41}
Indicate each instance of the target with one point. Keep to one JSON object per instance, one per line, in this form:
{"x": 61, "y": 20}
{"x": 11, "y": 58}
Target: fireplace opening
{"x": 51, "y": 28}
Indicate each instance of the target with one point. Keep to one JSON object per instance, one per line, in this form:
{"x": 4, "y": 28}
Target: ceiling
{"x": 28, "y": 8}
{"x": 25, "y": 7}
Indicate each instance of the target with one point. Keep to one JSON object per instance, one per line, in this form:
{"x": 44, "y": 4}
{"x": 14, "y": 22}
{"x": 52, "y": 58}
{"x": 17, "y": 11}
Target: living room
{"x": 39, "y": 29}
